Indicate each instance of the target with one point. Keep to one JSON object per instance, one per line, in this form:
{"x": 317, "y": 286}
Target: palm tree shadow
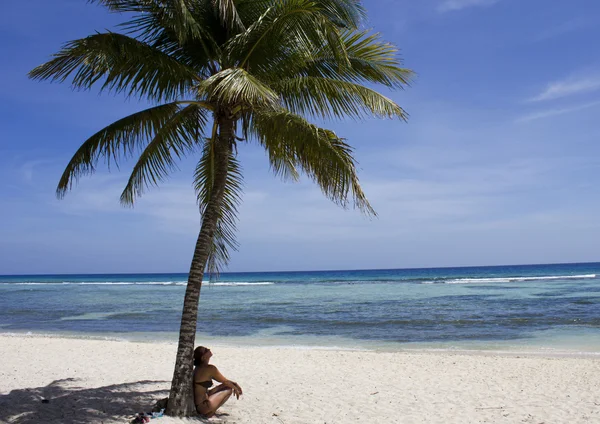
{"x": 70, "y": 404}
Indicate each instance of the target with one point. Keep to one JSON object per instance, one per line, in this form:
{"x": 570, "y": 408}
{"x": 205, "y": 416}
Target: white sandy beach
{"x": 93, "y": 381}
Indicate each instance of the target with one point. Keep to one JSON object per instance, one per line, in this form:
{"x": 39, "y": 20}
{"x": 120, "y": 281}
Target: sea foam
{"x": 517, "y": 279}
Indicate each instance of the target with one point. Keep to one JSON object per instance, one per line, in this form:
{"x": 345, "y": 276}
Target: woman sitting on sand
{"x": 208, "y": 400}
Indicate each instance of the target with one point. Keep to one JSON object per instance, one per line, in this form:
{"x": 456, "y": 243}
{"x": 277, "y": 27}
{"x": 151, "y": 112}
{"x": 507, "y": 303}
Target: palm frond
{"x": 121, "y": 6}
{"x": 153, "y": 16}
{"x": 318, "y": 152}
{"x": 121, "y": 64}
{"x": 370, "y": 60}
{"x": 118, "y": 140}
{"x": 293, "y": 24}
{"x": 185, "y": 30}
{"x": 328, "y": 98}
{"x": 282, "y": 163}
{"x": 178, "y": 137}
{"x": 228, "y": 14}
{"x": 344, "y": 13}
{"x": 235, "y": 86}
{"x": 204, "y": 176}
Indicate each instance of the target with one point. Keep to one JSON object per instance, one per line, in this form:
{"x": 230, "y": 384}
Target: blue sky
{"x": 498, "y": 163}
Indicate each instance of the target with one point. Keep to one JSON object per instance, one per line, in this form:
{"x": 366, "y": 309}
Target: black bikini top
{"x": 206, "y": 384}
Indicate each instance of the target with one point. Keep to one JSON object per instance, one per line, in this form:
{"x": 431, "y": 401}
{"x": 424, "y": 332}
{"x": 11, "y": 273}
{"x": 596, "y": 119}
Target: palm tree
{"x": 219, "y": 72}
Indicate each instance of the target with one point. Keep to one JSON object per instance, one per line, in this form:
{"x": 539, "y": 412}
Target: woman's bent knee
{"x": 226, "y": 394}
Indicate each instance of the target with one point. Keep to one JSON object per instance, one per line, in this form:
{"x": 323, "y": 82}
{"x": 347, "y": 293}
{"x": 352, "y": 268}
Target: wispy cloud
{"x": 28, "y": 168}
{"x": 571, "y": 25}
{"x": 568, "y": 87}
{"x": 453, "y": 5}
{"x": 555, "y": 112}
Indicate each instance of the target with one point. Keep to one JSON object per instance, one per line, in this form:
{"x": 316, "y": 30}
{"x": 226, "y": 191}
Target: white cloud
{"x": 555, "y": 112}
{"x": 453, "y": 5}
{"x": 568, "y": 87}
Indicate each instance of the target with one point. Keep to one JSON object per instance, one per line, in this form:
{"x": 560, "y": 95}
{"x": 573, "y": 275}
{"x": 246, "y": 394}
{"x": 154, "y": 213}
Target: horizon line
{"x": 314, "y": 270}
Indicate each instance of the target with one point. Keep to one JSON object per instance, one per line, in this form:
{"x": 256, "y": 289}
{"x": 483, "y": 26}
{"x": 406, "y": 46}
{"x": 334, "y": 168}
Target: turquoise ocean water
{"x": 547, "y": 308}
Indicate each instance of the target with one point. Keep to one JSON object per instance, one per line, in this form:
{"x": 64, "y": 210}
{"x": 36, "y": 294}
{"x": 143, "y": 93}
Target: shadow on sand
{"x": 71, "y": 404}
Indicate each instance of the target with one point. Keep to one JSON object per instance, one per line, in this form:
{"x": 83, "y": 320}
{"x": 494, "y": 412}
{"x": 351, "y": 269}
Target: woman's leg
{"x": 218, "y": 389}
{"x": 215, "y": 401}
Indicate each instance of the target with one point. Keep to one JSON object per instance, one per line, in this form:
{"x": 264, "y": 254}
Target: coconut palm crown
{"x": 219, "y": 73}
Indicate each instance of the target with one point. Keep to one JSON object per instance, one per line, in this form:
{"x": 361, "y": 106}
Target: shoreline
{"x": 269, "y": 343}
{"x": 88, "y": 380}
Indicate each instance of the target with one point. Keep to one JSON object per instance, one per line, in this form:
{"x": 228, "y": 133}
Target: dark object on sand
{"x": 142, "y": 418}
{"x": 45, "y": 401}
{"x": 161, "y": 404}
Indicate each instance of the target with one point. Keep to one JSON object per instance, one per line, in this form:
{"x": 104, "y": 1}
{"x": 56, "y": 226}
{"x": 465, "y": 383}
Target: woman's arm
{"x": 216, "y": 375}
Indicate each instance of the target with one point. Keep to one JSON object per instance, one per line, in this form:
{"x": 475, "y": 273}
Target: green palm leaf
{"x": 139, "y": 6}
{"x": 236, "y": 87}
{"x": 295, "y": 24}
{"x": 118, "y": 140}
{"x": 121, "y": 64}
{"x": 370, "y": 60}
{"x": 328, "y": 98}
{"x": 320, "y": 153}
{"x": 155, "y": 16}
{"x": 177, "y": 138}
{"x": 204, "y": 178}
{"x": 228, "y": 14}
{"x": 344, "y": 13}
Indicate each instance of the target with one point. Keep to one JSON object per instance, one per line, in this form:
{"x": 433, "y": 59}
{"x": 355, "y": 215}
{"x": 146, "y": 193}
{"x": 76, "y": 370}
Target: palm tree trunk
{"x": 181, "y": 397}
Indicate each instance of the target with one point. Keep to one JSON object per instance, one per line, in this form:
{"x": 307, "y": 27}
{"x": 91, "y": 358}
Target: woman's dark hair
{"x": 198, "y": 352}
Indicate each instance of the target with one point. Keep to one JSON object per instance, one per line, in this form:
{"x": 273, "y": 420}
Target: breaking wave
{"x": 510, "y": 279}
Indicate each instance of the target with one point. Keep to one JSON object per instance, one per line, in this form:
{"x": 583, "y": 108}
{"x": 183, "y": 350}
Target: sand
{"x": 97, "y": 381}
